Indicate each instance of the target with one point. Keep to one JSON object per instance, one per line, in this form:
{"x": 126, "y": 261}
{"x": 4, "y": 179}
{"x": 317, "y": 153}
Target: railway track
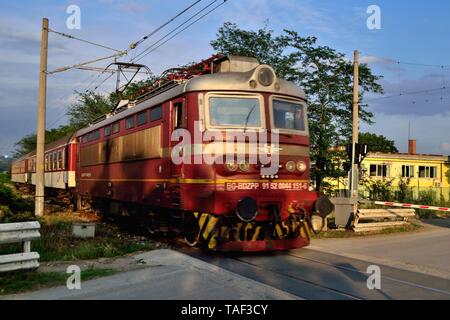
{"x": 310, "y": 274}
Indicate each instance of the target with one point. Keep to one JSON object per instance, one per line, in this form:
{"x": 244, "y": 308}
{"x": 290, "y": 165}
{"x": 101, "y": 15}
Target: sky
{"x": 411, "y": 51}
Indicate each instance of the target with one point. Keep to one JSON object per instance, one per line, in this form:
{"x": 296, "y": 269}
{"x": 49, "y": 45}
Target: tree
{"x": 377, "y": 143}
{"x": 28, "y": 143}
{"x": 325, "y": 75}
{"x": 89, "y": 107}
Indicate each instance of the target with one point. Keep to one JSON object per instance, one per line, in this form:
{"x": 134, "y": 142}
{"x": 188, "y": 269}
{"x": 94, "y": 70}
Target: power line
{"x": 140, "y": 56}
{"x": 152, "y": 47}
{"x": 397, "y": 61}
{"x": 135, "y": 44}
{"x": 406, "y": 94}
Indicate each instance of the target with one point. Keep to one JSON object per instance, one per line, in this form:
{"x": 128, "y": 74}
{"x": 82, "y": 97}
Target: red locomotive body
{"x": 222, "y": 157}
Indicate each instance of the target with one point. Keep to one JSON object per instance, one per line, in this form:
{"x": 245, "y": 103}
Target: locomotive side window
{"x": 179, "y": 115}
{"x": 129, "y": 123}
{"x": 115, "y": 127}
{"x": 235, "y": 112}
{"x": 46, "y": 162}
{"x": 288, "y": 115}
{"x": 107, "y": 131}
{"x": 50, "y": 164}
{"x": 156, "y": 113}
{"x": 142, "y": 118}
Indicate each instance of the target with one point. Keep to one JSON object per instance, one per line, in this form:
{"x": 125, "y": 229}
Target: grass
{"x": 57, "y": 243}
{"x": 22, "y": 281}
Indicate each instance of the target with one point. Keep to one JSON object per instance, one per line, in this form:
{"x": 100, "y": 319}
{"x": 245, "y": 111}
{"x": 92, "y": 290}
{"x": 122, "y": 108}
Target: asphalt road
{"x": 412, "y": 266}
{"x": 426, "y": 250}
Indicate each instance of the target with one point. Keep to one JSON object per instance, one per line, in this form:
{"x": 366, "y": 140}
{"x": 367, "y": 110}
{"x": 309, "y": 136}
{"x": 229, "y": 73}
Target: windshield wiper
{"x": 248, "y": 117}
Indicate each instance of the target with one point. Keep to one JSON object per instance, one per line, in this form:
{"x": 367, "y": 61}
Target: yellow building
{"x": 423, "y": 171}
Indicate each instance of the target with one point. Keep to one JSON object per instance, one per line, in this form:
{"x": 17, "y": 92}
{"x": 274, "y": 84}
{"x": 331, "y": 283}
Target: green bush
{"x": 5, "y": 177}
{"x": 13, "y": 208}
{"x": 6, "y": 195}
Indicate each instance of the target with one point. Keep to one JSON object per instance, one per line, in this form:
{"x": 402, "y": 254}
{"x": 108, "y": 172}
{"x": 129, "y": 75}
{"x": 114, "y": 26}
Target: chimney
{"x": 412, "y": 147}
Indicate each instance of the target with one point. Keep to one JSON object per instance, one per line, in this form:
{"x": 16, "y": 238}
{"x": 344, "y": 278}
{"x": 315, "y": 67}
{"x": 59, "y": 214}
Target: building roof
{"x": 407, "y": 156}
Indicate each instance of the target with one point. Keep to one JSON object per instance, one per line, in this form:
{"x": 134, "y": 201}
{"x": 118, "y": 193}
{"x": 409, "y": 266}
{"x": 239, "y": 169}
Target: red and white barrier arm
{"x": 414, "y": 206}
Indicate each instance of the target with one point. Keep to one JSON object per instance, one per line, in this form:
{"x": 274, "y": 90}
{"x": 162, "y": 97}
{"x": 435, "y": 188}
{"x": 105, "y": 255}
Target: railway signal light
{"x": 361, "y": 151}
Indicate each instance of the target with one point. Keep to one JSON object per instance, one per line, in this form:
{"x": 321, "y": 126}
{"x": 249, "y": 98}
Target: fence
{"x": 424, "y": 195}
{"x": 24, "y": 233}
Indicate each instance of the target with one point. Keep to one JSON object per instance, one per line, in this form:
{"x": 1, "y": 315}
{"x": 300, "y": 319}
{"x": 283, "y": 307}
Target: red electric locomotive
{"x": 219, "y": 153}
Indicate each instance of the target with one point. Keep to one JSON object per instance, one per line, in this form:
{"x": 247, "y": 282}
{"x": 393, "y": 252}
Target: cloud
{"x": 445, "y": 146}
{"x": 130, "y": 7}
{"x": 430, "y": 131}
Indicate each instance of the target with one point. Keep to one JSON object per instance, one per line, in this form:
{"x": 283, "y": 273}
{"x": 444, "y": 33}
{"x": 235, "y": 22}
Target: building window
{"x": 107, "y": 131}
{"x": 408, "y": 171}
{"x": 129, "y": 123}
{"x": 379, "y": 170}
{"x": 84, "y": 138}
{"x": 116, "y": 127}
{"x": 427, "y": 172}
{"x": 156, "y": 113}
{"x": 96, "y": 134}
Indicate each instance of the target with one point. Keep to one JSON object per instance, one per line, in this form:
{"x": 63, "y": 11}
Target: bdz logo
{"x": 74, "y": 281}
{"x": 74, "y": 20}
{"x": 374, "y": 20}
{"x": 374, "y": 280}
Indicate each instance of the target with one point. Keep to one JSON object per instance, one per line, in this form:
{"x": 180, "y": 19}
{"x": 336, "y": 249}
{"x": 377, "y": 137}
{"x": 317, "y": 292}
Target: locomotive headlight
{"x": 244, "y": 166}
{"x": 231, "y": 166}
{"x": 265, "y": 77}
{"x": 290, "y": 166}
{"x": 301, "y": 166}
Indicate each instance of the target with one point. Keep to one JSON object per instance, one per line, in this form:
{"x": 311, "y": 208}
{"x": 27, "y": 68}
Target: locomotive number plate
{"x": 286, "y": 186}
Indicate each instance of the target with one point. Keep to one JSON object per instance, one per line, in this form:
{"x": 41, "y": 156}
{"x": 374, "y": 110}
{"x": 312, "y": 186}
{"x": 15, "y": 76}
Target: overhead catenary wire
{"x": 398, "y": 61}
{"x": 406, "y": 94}
{"x": 135, "y": 44}
{"x": 152, "y": 47}
{"x": 140, "y": 56}
{"x": 82, "y": 40}
{"x": 117, "y": 55}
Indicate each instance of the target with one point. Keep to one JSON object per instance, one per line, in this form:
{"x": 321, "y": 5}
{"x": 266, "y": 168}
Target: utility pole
{"x": 354, "y": 176}
{"x": 40, "y": 146}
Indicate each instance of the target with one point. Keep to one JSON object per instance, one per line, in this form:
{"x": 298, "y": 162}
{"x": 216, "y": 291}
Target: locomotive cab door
{"x": 178, "y": 116}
